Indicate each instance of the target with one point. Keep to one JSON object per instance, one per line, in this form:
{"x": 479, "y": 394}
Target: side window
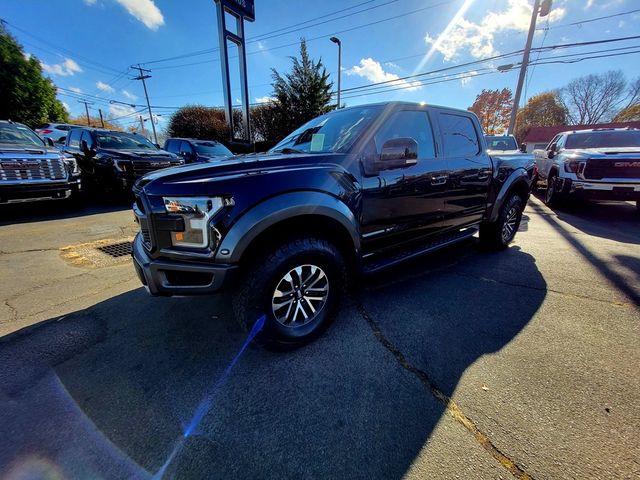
{"x": 62, "y": 127}
{"x": 86, "y": 136}
{"x": 459, "y": 135}
{"x": 560, "y": 142}
{"x": 553, "y": 140}
{"x": 408, "y": 124}
{"x": 185, "y": 147}
{"x": 172, "y": 146}
{"x": 74, "y": 138}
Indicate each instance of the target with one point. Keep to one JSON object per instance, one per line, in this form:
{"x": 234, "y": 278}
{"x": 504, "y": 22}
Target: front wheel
{"x": 499, "y": 234}
{"x": 553, "y": 197}
{"x": 297, "y": 287}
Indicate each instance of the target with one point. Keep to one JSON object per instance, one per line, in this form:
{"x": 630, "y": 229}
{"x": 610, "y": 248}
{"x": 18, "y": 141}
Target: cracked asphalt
{"x": 464, "y": 364}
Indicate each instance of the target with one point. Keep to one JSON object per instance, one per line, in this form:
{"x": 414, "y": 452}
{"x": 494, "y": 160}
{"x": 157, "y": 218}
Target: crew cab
{"x": 598, "y": 164}
{"x": 32, "y": 169}
{"x": 112, "y": 160}
{"x": 351, "y": 192}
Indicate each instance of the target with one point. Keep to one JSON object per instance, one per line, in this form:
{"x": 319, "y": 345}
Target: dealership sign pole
{"x": 240, "y": 10}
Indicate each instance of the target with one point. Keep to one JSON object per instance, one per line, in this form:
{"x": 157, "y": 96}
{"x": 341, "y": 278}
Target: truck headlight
{"x": 196, "y": 212}
{"x": 572, "y": 166}
{"x": 72, "y": 165}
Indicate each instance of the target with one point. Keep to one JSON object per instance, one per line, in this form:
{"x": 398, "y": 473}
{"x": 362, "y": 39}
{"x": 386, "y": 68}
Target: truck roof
{"x": 591, "y": 130}
{"x": 414, "y": 104}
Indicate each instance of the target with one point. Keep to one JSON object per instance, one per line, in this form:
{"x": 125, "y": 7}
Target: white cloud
{"x": 467, "y": 78}
{"x": 66, "y": 106}
{"x": 67, "y": 68}
{"x": 478, "y": 38}
{"x": 75, "y": 89}
{"x": 261, "y": 45}
{"x": 129, "y": 95}
{"x": 27, "y": 56}
{"x": 144, "y": 10}
{"x": 117, "y": 110}
{"x": 265, "y": 99}
{"x": 105, "y": 87}
{"x": 90, "y": 2}
{"x": 373, "y": 71}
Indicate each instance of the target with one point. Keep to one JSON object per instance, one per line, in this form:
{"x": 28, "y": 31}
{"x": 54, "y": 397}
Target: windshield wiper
{"x": 288, "y": 150}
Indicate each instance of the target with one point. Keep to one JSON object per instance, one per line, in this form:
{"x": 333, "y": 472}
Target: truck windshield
{"x": 123, "y": 141}
{"x": 18, "y": 136}
{"x": 330, "y": 133}
{"x": 604, "y": 139}
{"x": 212, "y": 148}
{"x": 505, "y": 142}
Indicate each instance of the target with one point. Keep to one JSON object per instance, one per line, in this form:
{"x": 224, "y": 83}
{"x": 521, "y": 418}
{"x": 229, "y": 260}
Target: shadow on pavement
{"x": 107, "y": 391}
{"x": 58, "y": 209}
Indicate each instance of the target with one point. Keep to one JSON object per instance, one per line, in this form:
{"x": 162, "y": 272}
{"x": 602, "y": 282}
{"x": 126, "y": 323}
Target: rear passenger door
{"x": 469, "y": 167}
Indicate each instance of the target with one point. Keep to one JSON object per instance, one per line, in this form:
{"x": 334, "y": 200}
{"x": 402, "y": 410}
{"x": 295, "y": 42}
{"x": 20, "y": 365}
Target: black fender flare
{"x": 518, "y": 176}
{"x": 282, "y": 207}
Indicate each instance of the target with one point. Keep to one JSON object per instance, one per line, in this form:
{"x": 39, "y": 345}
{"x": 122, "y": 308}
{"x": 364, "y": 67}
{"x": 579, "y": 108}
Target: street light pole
{"x": 337, "y": 41}
{"x": 546, "y": 6}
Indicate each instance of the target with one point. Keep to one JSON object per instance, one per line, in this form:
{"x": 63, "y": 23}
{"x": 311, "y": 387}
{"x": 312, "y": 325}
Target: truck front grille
{"x": 146, "y": 237}
{"x": 44, "y": 169}
{"x": 599, "y": 169}
{"x": 141, "y": 168}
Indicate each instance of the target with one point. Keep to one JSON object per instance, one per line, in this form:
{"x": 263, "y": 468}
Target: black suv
{"x": 113, "y": 160}
{"x": 32, "y": 169}
{"x": 192, "y": 150}
{"x": 353, "y": 191}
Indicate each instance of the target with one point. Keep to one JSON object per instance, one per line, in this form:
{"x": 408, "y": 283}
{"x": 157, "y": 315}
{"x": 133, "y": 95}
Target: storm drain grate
{"x": 116, "y": 250}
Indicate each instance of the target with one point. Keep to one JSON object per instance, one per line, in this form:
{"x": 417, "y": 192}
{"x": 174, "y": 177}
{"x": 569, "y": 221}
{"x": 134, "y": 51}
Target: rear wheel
{"x": 553, "y": 197}
{"x": 499, "y": 234}
{"x": 297, "y": 287}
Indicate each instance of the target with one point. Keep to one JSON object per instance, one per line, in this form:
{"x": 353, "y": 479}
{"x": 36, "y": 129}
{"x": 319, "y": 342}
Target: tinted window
{"x": 186, "y": 148}
{"x": 86, "y": 136}
{"x": 74, "y": 138}
{"x": 458, "y": 135}
{"x": 124, "y": 141}
{"x": 604, "y": 139}
{"x": 408, "y": 124}
{"x": 211, "y": 148}
{"x": 172, "y": 146}
{"x": 62, "y": 127}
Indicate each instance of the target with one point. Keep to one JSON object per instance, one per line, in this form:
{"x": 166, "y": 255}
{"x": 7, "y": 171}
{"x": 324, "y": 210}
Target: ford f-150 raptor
{"x": 353, "y": 191}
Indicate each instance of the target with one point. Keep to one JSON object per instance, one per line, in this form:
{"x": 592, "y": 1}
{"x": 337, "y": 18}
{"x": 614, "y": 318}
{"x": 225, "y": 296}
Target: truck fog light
{"x": 196, "y": 212}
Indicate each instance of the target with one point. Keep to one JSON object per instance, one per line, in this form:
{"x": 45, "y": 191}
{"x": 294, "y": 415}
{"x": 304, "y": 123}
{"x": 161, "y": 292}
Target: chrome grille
{"x": 598, "y": 169}
{"x": 40, "y": 169}
{"x": 142, "y": 168}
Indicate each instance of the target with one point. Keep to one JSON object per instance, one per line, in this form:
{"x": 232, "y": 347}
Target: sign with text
{"x": 242, "y": 8}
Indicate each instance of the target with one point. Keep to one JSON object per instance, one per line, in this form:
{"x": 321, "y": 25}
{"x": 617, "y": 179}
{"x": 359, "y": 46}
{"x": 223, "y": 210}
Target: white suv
{"x": 55, "y": 131}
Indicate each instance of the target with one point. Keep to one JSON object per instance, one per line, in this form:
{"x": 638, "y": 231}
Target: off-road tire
{"x": 253, "y": 297}
{"x": 497, "y": 236}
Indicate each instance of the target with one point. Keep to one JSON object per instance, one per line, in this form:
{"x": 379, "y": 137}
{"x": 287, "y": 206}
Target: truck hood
{"x": 232, "y": 167}
{"x": 605, "y": 153}
{"x": 138, "y": 154}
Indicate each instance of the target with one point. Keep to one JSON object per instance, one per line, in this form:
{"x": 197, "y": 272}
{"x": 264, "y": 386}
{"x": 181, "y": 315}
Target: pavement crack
{"x": 14, "y": 312}
{"x": 452, "y": 408}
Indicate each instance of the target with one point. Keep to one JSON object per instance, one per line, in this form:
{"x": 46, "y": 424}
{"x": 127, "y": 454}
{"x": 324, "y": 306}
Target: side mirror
{"x": 523, "y": 148}
{"x": 62, "y": 140}
{"x": 552, "y": 151}
{"x": 157, "y": 145}
{"x": 397, "y": 153}
{"x": 50, "y": 142}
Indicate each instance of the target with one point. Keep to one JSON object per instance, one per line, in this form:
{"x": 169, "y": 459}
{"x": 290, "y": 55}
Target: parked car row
{"x": 94, "y": 159}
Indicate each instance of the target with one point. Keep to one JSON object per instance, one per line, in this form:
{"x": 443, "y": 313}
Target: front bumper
{"x": 170, "y": 277}
{"x": 601, "y": 190}
{"x": 35, "y": 190}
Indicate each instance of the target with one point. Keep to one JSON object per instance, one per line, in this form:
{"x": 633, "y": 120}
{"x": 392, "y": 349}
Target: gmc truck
{"x": 351, "y": 192}
{"x": 598, "y": 164}
{"x": 32, "y": 169}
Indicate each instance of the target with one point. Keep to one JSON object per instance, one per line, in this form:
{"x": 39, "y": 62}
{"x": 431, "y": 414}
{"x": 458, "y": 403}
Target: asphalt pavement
{"x": 464, "y": 364}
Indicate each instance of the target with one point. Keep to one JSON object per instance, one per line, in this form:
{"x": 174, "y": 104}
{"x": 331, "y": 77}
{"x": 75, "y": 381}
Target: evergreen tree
{"x": 301, "y": 94}
{"x": 27, "y": 96}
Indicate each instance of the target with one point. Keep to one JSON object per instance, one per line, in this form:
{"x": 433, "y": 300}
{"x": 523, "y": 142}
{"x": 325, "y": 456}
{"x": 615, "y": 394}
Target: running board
{"x": 373, "y": 266}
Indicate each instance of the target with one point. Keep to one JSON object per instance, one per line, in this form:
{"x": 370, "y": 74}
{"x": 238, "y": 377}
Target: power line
{"x": 589, "y": 20}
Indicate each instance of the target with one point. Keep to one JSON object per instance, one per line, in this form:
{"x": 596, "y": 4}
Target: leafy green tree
{"x": 301, "y": 94}
{"x": 542, "y": 110}
{"x": 27, "y": 96}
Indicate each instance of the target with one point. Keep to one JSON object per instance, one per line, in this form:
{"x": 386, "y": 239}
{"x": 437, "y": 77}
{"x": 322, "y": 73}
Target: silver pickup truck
{"x": 598, "y": 164}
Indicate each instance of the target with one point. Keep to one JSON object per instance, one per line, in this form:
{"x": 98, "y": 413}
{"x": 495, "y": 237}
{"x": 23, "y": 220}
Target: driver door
{"x": 403, "y": 204}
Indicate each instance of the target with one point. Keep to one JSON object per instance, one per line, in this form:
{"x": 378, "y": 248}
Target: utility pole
{"x": 142, "y": 126}
{"x": 537, "y": 10}
{"x": 337, "y": 41}
{"x": 86, "y": 109}
{"x": 101, "y": 119}
{"x": 142, "y": 77}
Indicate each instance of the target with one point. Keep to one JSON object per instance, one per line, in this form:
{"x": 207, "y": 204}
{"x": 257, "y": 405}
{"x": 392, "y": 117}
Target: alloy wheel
{"x": 510, "y": 225}
{"x": 300, "y": 295}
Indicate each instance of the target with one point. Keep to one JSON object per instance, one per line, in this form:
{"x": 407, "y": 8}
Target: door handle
{"x": 483, "y": 176}
{"x": 440, "y": 180}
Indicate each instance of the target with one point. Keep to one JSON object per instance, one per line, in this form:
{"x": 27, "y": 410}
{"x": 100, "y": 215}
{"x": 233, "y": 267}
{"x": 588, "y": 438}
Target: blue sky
{"x": 86, "y": 46}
